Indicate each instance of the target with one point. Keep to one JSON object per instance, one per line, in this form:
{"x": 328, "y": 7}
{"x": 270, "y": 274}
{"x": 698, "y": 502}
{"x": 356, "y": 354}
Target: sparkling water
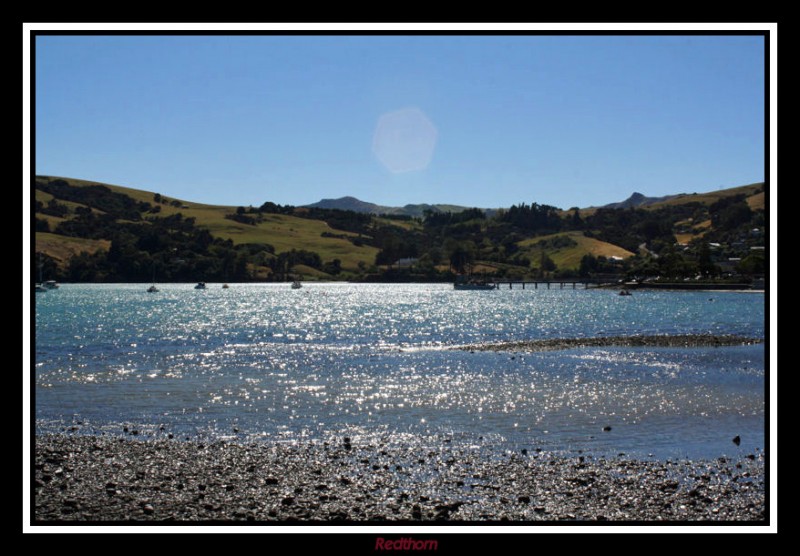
{"x": 264, "y": 361}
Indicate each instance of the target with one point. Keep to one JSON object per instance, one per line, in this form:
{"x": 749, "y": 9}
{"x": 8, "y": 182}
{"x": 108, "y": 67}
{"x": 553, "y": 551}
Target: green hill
{"x": 568, "y": 248}
{"x": 695, "y": 228}
{"x": 282, "y": 232}
{"x": 710, "y": 197}
{"x": 754, "y": 191}
{"x": 63, "y": 248}
{"x": 88, "y": 231}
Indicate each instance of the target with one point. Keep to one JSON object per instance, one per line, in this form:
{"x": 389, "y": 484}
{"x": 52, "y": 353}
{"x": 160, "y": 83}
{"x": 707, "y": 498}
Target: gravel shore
{"x": 100, "y": 478}
{"x": 677, "y": 340}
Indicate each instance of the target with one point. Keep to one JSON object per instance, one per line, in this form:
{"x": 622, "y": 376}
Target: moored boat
{"x": 464, "y": 283}
{"x": 41, "y": 285}
{"x": 475, "y": 286}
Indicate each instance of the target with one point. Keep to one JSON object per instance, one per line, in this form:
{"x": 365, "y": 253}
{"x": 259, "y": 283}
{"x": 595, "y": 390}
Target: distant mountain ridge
{"x": 414, "y": 210}
{"x": 639, "y": 200}
{"x": 349, "y": 203}
{"x": 636, "y": 200}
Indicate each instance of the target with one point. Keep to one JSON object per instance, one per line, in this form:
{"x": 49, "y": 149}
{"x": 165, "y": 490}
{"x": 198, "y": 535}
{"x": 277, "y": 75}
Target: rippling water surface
{"x": 265, "y": 361}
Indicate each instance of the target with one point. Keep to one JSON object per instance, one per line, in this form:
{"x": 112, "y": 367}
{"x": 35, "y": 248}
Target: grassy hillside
{"x": 755, "y": 198}
{"x": 404, "y": 224}
{"x": 45, "y": 198}
{"x": 283, "y": 232}
{"x": 756, "y": 201}
{"x": 712, "y": 196}
{"x": 61, "y": 248}
{"x": 695, "y": 230}
{"x": 686, "y": 230}
{"x": 570, "y": 256}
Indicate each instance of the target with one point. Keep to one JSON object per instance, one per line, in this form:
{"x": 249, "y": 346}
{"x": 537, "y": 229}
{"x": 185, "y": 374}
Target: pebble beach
{"x": 106, "y": 478}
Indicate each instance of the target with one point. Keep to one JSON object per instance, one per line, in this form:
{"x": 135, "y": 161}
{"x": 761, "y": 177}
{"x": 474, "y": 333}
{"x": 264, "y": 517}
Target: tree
{"x": 588, "y": 265}
{"x": 643, "y": 266}
{"x": 673, "y": 264}
{"x": 333, "y": 267}
{"x": 56, "y": 209}
{"x": 240, "y": 267}
{"x": 509, "y": 244}
{"x": 390, "y": 252}
{"x": 462, "y": 256}
{"x": 576, "y": 221}
{"x": 752, "y": 264}
{"x": 735, "y": 215}
{"x": 546, "y": 264}
{"x": 435, "y": 255}
{"x": 705, "y": 265}
{"x": 47, "y": 265}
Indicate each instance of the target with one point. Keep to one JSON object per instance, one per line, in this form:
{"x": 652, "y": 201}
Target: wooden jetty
{"x": 586, "y": 283}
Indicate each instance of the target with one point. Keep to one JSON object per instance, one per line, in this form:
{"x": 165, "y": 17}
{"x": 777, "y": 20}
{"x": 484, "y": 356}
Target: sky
{"x": 486, "y": 121}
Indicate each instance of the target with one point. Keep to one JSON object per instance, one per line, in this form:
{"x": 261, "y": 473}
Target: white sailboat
{"x": 153, "y": 288}
{"x": 40, "y": 287}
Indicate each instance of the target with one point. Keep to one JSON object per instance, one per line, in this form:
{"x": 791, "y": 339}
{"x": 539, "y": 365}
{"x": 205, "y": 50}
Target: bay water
{"x": 264, "y": 362}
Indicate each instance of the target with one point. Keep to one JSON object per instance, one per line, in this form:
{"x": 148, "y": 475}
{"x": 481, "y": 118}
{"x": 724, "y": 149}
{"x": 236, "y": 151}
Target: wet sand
{"x": 104, "y": 478}
{"x": 677, "y": 340}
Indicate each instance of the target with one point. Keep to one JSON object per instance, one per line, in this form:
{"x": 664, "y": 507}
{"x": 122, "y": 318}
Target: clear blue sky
{"x": 486, "y": 121}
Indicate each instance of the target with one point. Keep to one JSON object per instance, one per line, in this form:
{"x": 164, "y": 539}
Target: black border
{"x": 446, "y": 540}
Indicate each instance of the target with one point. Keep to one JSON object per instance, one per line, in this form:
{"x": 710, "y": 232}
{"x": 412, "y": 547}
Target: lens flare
{"x": 404, "y": 140}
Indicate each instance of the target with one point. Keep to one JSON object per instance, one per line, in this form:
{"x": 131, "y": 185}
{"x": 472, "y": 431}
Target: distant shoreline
{"x": 676, "y": 340}
{"x": 739, "y": 288}
{"x": 693, "y": 286}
